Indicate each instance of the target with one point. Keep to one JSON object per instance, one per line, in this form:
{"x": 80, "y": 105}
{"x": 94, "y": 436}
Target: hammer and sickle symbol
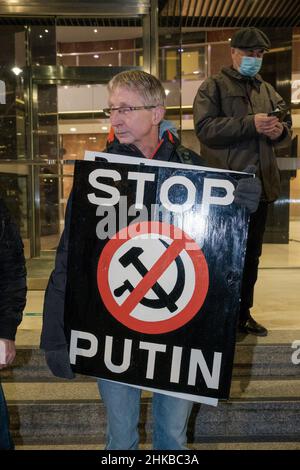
{"x": 164, "y": 299}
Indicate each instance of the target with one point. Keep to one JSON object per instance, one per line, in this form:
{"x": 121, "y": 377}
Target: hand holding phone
{"x": 279, "y": 113}
{"x": 275, "y": 113}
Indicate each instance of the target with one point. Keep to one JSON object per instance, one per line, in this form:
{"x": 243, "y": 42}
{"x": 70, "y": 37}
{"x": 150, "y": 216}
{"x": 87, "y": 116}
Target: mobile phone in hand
{"x": 279, "y": 113}
{"x": 275, "y": 113}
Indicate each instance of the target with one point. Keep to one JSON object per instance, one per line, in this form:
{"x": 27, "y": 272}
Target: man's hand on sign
{"x": 58, "y": 362}
{"x": 248, "y": 191}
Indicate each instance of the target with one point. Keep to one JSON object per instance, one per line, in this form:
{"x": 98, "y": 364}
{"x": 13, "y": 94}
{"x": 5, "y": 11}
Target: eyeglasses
{"x": 124, "y": 111}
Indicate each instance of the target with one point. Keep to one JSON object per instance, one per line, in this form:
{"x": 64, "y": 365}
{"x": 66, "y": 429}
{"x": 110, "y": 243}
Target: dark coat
{"x": 224, "y": 110}
{"x": 12, "y": 276}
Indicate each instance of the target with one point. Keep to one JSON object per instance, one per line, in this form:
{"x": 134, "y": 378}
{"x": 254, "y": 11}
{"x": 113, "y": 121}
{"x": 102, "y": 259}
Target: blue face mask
{"x": 250, "y": 66}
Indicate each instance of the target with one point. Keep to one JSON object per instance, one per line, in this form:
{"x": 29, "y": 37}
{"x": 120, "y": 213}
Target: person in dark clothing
{"x": 12, "y": 302}
{"x": 232, "y": 123}
{"x": 137, "y": 108}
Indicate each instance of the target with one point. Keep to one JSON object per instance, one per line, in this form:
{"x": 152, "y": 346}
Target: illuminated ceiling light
{"x": 111, "y": 48}
{"x": 167, "y": 92}
{"x": 40, "y": 36}
{"x": 59, "y": 55}
{"x": 66, "y": 87}
{"x": 229, "y": 39}
{"x": 196, "y": 72}
{"x": 180, "y": 49}
{"x": 104, "y": 128}
{"x": 89, "y": 86}
{"x": 96, "y": 56}
{"x": 46, "y": 31}
{"x": 16, "y": 70}
{"x": 73, "y": 129}
{"x": 110, "y": 65}
{"x": 95, "y": 30}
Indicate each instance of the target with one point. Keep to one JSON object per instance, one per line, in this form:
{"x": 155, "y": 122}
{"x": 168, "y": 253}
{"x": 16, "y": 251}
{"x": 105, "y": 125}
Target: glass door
{"x": 67, "y": 119}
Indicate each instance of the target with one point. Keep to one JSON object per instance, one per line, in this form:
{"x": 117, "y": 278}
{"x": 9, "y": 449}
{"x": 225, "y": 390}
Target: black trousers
{"x": 257, "y": 226}
{"x": 5, "y": 437}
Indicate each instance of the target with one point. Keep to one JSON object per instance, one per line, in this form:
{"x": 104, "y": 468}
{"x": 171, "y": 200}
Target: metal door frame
{"x": 53, "y": 75}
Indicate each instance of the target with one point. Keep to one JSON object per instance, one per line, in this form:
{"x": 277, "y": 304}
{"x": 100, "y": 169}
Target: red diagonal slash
{"x": 180, "y": 241}
{"x": 159, "y": 267}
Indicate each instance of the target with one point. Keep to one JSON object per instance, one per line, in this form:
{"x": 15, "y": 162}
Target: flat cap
{"x": 250, "y": 38}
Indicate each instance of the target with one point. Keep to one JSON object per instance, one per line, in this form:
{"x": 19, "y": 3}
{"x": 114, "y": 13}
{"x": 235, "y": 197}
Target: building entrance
{"x": 67, "y": 119}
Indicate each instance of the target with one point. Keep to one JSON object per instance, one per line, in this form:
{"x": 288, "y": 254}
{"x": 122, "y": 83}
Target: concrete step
{"x": 203, "y": 446}
{"x": 258, "y": 360}
{"x": 264, "y": 405}
{"x": 39, "y": 270}
{"x": 29, "y": 365}
{"x": 54, "y": 422}
{"x": 241, "y": 389}
{"x": 264, "y": 360}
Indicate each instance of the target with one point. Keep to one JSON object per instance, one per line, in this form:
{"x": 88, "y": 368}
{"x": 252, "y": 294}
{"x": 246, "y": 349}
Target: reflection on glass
{"x": 49, "y": 209}
{"x": 49, "y": 204}
{"x": 43, "y": 45}
{"x": 46, "y": 146}
{"x": 14, "y": 191}
{"x": 12, "y": 116}
{"x": 295, "y": 180}
{"x": 193, "y": 66}
{"x": 107, "y": 47}
{"x": 169, "y": 72}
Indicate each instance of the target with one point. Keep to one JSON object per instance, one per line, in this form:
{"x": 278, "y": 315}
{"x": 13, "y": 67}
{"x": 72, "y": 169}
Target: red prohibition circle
{"x": 181, "y": 241}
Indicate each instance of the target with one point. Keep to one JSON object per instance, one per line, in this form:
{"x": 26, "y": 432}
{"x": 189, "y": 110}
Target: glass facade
{"x": 52, "y": 92}
{"x": 93, "y": 47}
{"x": 14, "y": 169}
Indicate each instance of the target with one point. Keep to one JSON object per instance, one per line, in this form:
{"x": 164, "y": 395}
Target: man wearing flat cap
{"x": 232, "y": 124}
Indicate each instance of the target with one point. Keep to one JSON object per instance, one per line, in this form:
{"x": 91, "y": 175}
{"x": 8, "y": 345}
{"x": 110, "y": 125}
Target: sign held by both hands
{"x": 156, "y": 255}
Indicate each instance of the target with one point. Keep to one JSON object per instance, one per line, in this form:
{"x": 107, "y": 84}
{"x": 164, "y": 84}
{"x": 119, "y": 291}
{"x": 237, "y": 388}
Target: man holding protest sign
{"x": 137, "y": 108}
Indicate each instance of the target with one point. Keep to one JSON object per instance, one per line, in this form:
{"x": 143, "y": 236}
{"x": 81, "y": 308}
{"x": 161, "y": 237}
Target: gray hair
{"x": 146, "y": 85}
